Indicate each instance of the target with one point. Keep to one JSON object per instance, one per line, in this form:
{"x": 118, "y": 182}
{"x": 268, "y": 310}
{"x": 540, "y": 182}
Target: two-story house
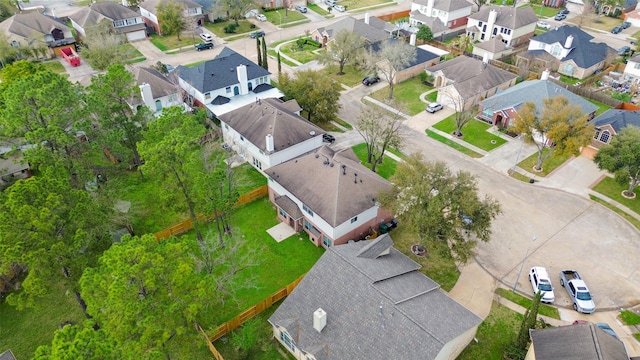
{"x": 226, "y": 83}
{"x": 632, "y": 69}
{"x": 37, "y": 30}
{"x": 372, "y": 31}
{"x": 508, "y": 25}
{"x": 329, "y": 195}
{"x": 157, "y": 91}
{"x": 269, "y": 132}
{"x": 149, "y": 12}
{"x": 439, "y": 15}
{"x": 122, "y": 19}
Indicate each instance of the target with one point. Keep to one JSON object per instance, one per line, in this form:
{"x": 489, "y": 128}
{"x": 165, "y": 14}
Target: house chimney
{"x": 429, "y": 7}
{"x": 485, "y": 58}
{"x": 412, "y": 39}
{"x": 147, "y": 96}
{"x": 493, "y": 14}
{"x": 545, "y": 75}
{"x": 366, "y": 18}
{"x": 269, "y": 139}
{"x": 241, "y": 71}
{"x": 568, "y": 42}
{"x": 319, "y": 319}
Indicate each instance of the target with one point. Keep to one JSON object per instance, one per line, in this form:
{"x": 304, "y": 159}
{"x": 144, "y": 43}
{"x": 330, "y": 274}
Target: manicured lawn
{"x": 23, "y": 331}
{"x": 474, "y": 132}
{"x": 285, "y": 17}
{"x": 386, "y": 169}
{"x": 545, "y": 310}
{"x": 517, "y": 175}
{"x": 547, "y": 166}
{"x": 245, "y": 26}
{"x": 351, "y": 77}
{"x": 432, "y": 97}
{"x": 282, "y": 59}
{"x": 601, "y": 107}
{"x": 496, "y": 332}
{"x": 318, "y": 9}
{"x": 54, "y": 66}
{"x": 303, "y": 55}
{"x": 344, "y": 124}
{"x": 603, "y": 23}
{"x": 453, "y": 144}
{"x": 406, "y": 93}
{"x": 635, "y": 222}
{"x": 629, "y": 317}
{"x": 542, "y": 11}
{"x": 612, "y": 189}
{"x": 170, "y": 42}
{"x": 352, "y": 5}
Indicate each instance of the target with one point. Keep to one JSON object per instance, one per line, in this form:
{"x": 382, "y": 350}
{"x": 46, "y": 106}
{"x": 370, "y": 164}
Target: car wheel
{"x": 561, "y": 282}
{"x": 575, "y": 307}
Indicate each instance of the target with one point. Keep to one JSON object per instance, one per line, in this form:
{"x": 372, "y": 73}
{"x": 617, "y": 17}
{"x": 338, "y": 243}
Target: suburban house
{"x": 632, "y": 69}
{"x": 440, "y": 15}
{"x": 511, "y": 26}
{"x": 611, "y": 122}
{"x": 567, "y": 50}
{"x": 632, "y": 15}
{"x": 329, "y": 195}
{"x": 157, "y": 91}
{"x": 503, "y": 107}
{"x": 226, "y": 83}
{"x": 365, "y": 28}
{"x": 13, "y": 166}
{"x": 376, "y": 306}
{"x": 149, "y": 12}
{"x": 35, "y": 29}
{"x": 269, "y": 132}
{"x": 574, "y": 342}
{"x": 7, "y": 355}
{"x": 424, "y": 58}
{"x": 122, "y": 19}
{"x": 463, "y": 81}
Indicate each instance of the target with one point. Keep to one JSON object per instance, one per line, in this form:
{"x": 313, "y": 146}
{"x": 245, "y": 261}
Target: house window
{"x": 257, "y": 163}
{"x": 282, "y": 213}
{"x": 354, "y": 219}
{"x": 173, "y": 98}
{"x": 207, "y": 96}
{"x": 250, "y": 86}
{"x": 306, "y": 208}
{"x": 131, "y": 21}
{"x": 158, "y": 105}
{"x": 555, "y": 50}
{"x": 326, "y": 241}
{"x": 479, "y": 23}
{"x": 15, "y": 44}
{"x": 118, "y": 23}
{"x": 597, "y": 135}
{"x": 236, "y": 91}
{"x": 636, "y": 66}
{"x": 241, "y": 138}
{"x": 228, "y": 89}
{"x": 605, "y": 136}
{"x": 541, "y": 45}
{"x": 287, "y": 340}
{"x": 193, "y": 11}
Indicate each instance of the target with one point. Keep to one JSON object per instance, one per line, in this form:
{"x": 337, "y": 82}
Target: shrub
{"x": 312, "y": 43}
{"x": 252, "y": 26}
{"x": 230, "y": 29}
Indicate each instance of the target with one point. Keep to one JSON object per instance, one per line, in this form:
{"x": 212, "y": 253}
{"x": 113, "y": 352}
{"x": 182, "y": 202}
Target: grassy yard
{"x": 282, "y": 58}
{"x": 548, "y": 165}
{"x": 635, "y": 222}
{"x": 23, "y": 331}
{"x": 496, "y": 332}
{"x": 285, "y": 17}
{"x": 432, "y": 97}
{"x": 601, "y": 107}
{"x": 303, "y": 55}
{"x": 629, "y": 317}
{"x": 170, "y": 42}
{"x": 351, "y": 77}
{"x": 245, "y": 26}
{"x": 318, "y": 9}
{"x": 386, "y": 169}
{"x": 542, "y": 11}
{"x": 54, "y": 66}
{"x": 612, "y": 189}
{"x": 474, "y": 132}
{"x": 599, "y": 22}
{"x": 406, "y": 93}
{"x": 463, "y": 149}
{"x": 545, "y": 310}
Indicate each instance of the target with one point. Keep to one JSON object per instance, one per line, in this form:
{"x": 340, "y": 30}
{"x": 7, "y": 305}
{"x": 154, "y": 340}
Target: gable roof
{"x": 433, "y": 23}
{"x": 533, "y": 91}
{"x": 576, "y": 342}
{"x": 7, "y": 355}
{"x": 26, "y": 24}
{"x": 220, "y": 72}
{"x": 95, "y": 12}
{"x": 446, "y": 5}
{"x": 271, "y": 117}
{"x": 618, "y": 119}
{"x": 152, "y": 5}
{"x": 471, "y": 76}
{"x": 584, "y": 53}
{"x": 495, "y": 45}
{"x": 370, "y": 33}
{"x": 507, "y": 16}
{"x": 422, "y": 55}
{"x": 335, "y": 186}
{"x": 160, "y": 85}
{"x": 380, "y": 307}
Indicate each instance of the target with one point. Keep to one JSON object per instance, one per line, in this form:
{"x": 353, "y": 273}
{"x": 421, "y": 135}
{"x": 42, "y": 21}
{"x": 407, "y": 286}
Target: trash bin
{"x": 384, "y": 228}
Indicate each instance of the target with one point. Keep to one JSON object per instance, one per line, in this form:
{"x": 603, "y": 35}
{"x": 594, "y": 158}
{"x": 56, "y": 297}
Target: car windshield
{"x": 583, "y": 296}
{"x": 545, "y": 287}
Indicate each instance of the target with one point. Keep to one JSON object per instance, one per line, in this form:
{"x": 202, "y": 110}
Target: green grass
{"x": 604, "y": 23}
{"x": 248, "y": 178}
{"x": 601, "y": 107}
{"x": 23, "y": 331}
{"x": 195, "y": 63}
{"x": 463, "y": 149}
{"x": 474, "y": 132}
{"x": 407, "y": 93}
{"x": 285, "y": 17}
{"x": 635, "y": 222}
{"x": 351, "y": 77}
{"x": 612, "y": 189}
{"x": 495, "y": 334}
{"x": 386, "y": 169}
{"x": 304, "y": 55}
{"x": 344, "y": 124}
{"x": 542, "y": 11}
{"x": 319, "y": 10}
{"x": 629, "y": 318}
{"x": 352, "y": 5}
{"x": 170, "y": 42}
{"x": 518, "y": 176}
{"x": 637, "y": 336}
{"x": 245, "y": 27}
{"x": 545, "y": 310}
{"x": 282, "y": 58}
{"x": 432, "y": 97}
{"x": 54, "y": 66}
{"x": 548, "y": 165}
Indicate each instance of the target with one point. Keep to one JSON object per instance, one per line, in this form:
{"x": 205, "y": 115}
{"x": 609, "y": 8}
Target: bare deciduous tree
{"x": 380, "y": 130}
{"x": 393, "y": 57}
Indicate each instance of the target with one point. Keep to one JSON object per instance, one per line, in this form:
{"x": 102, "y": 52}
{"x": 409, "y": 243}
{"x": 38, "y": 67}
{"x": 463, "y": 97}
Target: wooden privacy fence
{"x": 186, "y": 225}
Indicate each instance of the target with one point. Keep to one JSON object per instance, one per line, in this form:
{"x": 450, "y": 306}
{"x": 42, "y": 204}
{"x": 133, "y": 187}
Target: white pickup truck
{"x": 578, "y": 291}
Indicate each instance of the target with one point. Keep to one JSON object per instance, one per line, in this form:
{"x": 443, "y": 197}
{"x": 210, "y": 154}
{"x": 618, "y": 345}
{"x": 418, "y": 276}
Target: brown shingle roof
{"x": 160, "y": 85}
{"x": 25, "y": 24}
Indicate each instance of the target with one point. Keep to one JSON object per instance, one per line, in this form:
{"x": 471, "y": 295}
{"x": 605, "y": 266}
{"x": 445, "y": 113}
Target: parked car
{"x": 204, "y": 46}
{"x": 370, "y": 80}
{"x": 624, "y": 50}
{"x": 257, "y": 34}
{"x": 434, "y": 107}
{"x": 301, "y": 8}
{"x": 578, "y": 291}
{"x": 616, "y": 30}
{"x": 206, "y": 37}
{"x": 251, "y": 13}
{"x": 626, "y": 25}
{"x": 339, "y": 8}
{"x": 564, "y": 12}
{"x": 606, "y": 328}
{"x": 261, "y": 17}
{"x": 330, "y": 2}
{"x": 328, "y": 138}
{"x": 540, "y": 281}
{"x": 560, "y": 17}
{"x": 543, "y": 24}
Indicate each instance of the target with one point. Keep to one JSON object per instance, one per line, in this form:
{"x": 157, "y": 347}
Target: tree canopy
{"x": 622, "y": 157}
{"x": 80, "y": 341}
{"x": 440, "y": 206}
{"x": 171, "y": 19}
{"x": 347, "y": 46}
{"x": 103, "y": 48}
{"x": 424, "y": 33}
{"x": 317, "y": 94}
{"x": 235, "y": 9}
{"x": 393, "y": 57}
{"x": 380, "y": 130}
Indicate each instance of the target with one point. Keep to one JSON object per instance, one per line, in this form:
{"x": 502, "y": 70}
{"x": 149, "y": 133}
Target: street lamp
{"x": 280, "y": 16}
{"x": 515, "y": 284}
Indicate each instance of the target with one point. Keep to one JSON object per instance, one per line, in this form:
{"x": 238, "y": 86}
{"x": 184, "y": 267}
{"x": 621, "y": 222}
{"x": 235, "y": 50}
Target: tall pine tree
{"x": 265, "y": 59}
{"x": 258, "y": 50}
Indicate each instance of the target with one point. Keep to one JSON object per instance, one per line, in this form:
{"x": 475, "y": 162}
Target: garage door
{"x": 136, "y": 35}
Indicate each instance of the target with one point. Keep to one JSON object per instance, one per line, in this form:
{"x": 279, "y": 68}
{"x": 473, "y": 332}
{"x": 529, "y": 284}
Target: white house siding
{"x": 78, "y": 28}
{"x": 145, "y": 13}
{"x": 347, "y": 227}
{"x": 519, "y": 32}
{"x": 296, "y": 150}
{"x": 632, "y": 71}
{"x": 453, "y": 348}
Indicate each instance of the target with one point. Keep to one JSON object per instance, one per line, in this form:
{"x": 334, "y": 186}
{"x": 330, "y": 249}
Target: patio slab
{"x": 281, "y": 232}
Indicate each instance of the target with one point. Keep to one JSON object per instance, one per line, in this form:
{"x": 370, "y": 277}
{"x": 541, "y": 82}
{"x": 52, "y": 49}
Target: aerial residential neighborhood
{"x": 438, "y": 179}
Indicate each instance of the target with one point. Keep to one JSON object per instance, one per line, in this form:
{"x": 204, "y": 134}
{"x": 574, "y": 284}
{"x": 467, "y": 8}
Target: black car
{"x": 617, "y": 30}
{"x": 624, "y": 50}
{"x": 564, "y": 12}
{"x": 370, "y": 80}
{"x": 328, "y": 138}
{"x": 257, "y": 34}
{"x": 626, "y": 25}
{"x": 204, "y": 46}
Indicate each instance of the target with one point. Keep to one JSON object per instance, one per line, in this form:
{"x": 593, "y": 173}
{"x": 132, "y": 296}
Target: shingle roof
{"x": 270, "y": 116}
{"x": 25, "y": 24}
{"x": 220, "y": 72}
{"x": 472, "y": 76}
{"x": 95, "y": 12}
{"x": 533, "y": 91}
{"x": 160, "y": 85}
{"x": 370, "y": 33}
{"x": 446, "y": 5}
{"x": 334, "y": 186}
{"x": 583, "y": 52}
{"x": 422, "y": 55}
{"x": 377, "y": 308}
{"x": 152, "y": 5}
{"x": 618, "y": 119}
{"x": 577, "y": 342}
{"x": 7, "y": 355}
{"x": 495, "y": 45}
{"x": 433, "y": 23}
{"x": 508, "y": 16}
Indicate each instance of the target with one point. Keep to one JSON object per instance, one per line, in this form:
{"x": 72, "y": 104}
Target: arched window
{"x": 250, "y": 86}
{"x": 605, "y": 136}
{"x": 236, "y": 90}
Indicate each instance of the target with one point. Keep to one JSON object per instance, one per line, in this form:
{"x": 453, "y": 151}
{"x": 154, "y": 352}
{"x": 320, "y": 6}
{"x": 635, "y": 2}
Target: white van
{"x": 330, "y": 2}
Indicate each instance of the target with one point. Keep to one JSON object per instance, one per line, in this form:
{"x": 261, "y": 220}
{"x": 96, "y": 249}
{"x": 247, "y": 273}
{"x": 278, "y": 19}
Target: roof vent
{"x": 344, "y": 169}
{"x": 319, "y": 319}
{"x": 312, "y": 133}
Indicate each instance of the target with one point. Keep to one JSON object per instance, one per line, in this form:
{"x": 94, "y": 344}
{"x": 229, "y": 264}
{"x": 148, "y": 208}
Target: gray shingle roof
{"x": 289, "y": 206}
{"x": 494, "y": 45}
{"x": 270, "y": 116}
{"x": 577, "y": 342}
{"x": 378, "y": 308}
{"x": 433, "y": 23}
{"x": 370, "y": 33}
{"x": 508, "y": 16}
{"x": 533, "y": 91}
{"x": 422, "y": 55}
{"x": 618, "y": 119}
{"x": 160, "y": 85}
{"x": 584, "y": 52}
{"x": 25, "y": 24}
{"x": 446, "y": 5}
{"x": 220, "y": 72}
{"x": 96, "y": 11}
{"x": 7, "y": 355}
{"x": 331, "y": 191}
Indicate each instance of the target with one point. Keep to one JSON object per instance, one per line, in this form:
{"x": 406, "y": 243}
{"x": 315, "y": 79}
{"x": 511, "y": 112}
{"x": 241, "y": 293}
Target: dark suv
{"x": 257, "y": 34}
{"x": 204, "y": 46}
{"x": 370, "y": 80}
